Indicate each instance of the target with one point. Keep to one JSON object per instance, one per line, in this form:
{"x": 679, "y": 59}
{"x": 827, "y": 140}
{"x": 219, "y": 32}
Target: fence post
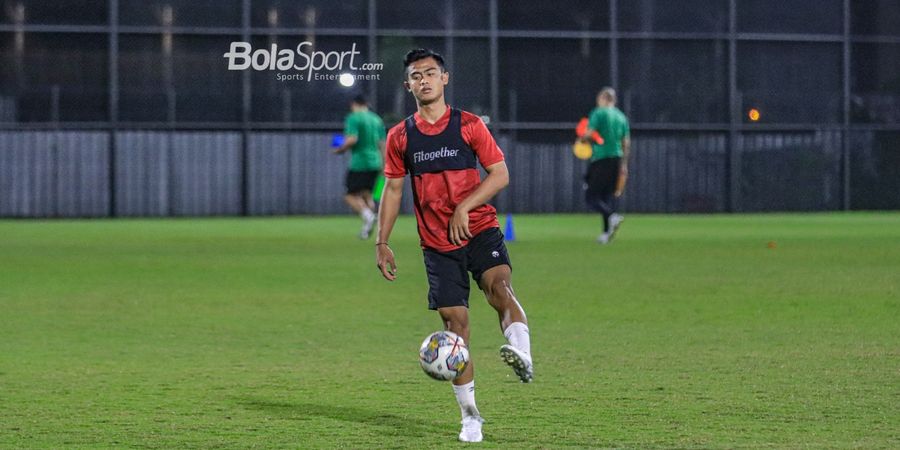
{"x": 845, "y": 149}
{"x": 113, "y": 101}
{"x": 733, "y": 175}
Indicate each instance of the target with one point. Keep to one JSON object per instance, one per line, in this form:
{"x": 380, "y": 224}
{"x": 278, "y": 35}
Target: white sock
{"x": 517, "y": 336}
{"x": 366, "y": 214}
{"x": 465, "y": 396}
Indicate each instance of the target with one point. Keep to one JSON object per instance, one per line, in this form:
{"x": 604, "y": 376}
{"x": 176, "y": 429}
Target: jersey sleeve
{"x": 626, "y": 127}
{"x": 394, "y": 165}
{"x": 351, "y": 126}
{"x": 479, "y": 138}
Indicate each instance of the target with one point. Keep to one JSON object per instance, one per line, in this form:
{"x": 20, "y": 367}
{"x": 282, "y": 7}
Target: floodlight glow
{"x": 346, "y": 80}
{"x": 753, "y": 114}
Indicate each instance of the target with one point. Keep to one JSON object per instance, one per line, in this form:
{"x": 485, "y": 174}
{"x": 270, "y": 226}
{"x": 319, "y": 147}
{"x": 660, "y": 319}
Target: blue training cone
{"x": 337, "y": 140}
{"x": 509, "y": 233}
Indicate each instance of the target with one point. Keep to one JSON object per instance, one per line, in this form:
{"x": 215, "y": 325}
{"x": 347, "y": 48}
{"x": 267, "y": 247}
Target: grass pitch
{"x": 687, "y": 331}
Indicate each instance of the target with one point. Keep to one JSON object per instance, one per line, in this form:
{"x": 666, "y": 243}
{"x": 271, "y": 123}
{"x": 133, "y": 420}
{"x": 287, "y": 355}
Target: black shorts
{"x": 602, "y": 177}
{"x": 448, "y": 273}
{"x": 364, "y": 180}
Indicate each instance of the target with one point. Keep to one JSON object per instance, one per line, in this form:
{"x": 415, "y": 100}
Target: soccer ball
{"x": 444, "y": 355}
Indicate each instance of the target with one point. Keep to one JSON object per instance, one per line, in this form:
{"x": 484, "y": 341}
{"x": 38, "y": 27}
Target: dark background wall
{"x": 125, "y": 107}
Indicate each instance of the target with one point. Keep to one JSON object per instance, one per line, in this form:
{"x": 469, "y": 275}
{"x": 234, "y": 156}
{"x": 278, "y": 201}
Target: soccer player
{"x": 364, "y": 137}
{"x": 609, "y": 161}
{"x": 439, "y": 148}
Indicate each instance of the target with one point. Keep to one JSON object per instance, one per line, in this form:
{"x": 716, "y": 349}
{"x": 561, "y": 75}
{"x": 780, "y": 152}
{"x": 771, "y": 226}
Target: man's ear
{"x": 407, "y": 86}
{"x": 445, "y": 77}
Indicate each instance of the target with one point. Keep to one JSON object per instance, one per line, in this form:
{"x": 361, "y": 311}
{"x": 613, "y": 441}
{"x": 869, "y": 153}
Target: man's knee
{"x": 456, "y": 320}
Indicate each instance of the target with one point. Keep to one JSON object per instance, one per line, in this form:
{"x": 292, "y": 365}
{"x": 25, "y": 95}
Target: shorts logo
{"x": 495, "y": 254}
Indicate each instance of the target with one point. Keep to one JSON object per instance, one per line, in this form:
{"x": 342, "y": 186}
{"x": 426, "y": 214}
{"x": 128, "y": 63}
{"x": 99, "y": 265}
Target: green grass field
{"x": 686, "y": 332}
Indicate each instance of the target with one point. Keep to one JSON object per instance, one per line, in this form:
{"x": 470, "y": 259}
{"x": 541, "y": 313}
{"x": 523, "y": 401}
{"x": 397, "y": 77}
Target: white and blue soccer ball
{"x": 444, "y": 355}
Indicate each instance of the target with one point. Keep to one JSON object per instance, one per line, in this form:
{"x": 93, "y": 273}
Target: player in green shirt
{"x": 364, "y": 136}
{"x": 609, "y": 161}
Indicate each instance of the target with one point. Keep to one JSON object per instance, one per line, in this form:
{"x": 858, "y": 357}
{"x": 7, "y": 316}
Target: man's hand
{"x": 384, "y": 258}
{"x": 623, "y": 177}
{"x": 459, "y": 227}
{"x": 349, "y": 142}
{"x": 387, "y": 215}
{"x": 497, "y": 179}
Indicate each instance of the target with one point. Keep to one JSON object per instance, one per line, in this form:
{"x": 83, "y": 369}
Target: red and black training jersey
{"x": 441, "y": 160}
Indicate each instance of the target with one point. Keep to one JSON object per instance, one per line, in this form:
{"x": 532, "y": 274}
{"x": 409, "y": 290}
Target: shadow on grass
{"x": 391, "y": 423}
{"x": 432, "y": 432}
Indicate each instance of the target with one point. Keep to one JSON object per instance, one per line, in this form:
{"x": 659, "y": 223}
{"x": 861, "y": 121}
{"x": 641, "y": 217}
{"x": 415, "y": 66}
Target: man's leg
{"x": 358, "y": 187}
{"x": 366, "y": 193}
{"x": 600, "y": 195}
{"x": 595, "y": 196}
{"x": 614, "y": 219}
{"x": 495, "y": 282}
{"x": 448, "y": 293}
{"x": 369, "y": 201}
{"x": 497, "y": 287}
{"x": 456, "y": 319}
{"x": 369, "y": 214}
{"x": 356, "y": 202}
{"x": 611, "y": 175}
{"x": 356, "y": 199}
{"x": 601, "y": 204}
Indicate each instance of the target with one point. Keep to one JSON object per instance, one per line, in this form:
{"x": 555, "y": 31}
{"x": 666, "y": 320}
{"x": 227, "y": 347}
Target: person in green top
{"x": 609, "y": 162}
{"x": 364, "y": 137}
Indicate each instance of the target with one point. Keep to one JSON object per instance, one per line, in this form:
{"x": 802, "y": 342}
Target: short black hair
{"x": 360, "y": 99}
{"x": 422, "y": 53}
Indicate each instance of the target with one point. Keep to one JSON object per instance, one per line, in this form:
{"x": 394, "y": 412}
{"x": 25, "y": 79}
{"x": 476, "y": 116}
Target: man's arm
{"x": 351, "y": 134}
{"x": 593, "y": 124}
{"x": 349, "y": 142}
{"x": 387, "y": 216}
{"x": 623, "y": 166}
{"x": 497, "y": 179}
{"x": 586, "y": 137}
{"x": 382, "y": 138}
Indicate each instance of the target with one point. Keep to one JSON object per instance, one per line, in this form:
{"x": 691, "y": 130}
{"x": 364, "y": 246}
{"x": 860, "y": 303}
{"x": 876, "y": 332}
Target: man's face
{"x": 602, "y": 101}
{"x": 426, "y": 80}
